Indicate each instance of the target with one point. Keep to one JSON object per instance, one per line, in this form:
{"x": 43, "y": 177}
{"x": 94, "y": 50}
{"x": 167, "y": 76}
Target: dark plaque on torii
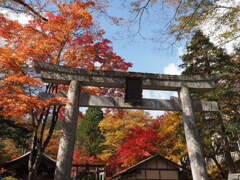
{"x": 133, "y": 90}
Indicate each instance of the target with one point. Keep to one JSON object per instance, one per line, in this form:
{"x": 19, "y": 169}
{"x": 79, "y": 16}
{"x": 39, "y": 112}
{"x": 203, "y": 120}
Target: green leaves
{"x": 88, "y": 133}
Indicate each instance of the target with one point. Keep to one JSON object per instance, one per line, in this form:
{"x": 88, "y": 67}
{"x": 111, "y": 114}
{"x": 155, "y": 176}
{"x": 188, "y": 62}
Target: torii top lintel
{"x": 115, "y": 79}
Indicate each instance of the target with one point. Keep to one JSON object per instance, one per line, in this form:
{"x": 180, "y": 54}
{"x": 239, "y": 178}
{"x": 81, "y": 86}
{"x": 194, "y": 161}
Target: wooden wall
{"x": 154, "y": 169}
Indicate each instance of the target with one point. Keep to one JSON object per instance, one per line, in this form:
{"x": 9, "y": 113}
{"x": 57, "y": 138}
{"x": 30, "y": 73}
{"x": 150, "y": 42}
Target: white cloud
{"x": 20, "y": 17}
{"x": 233, "y": 3}
{"x": 213, "y": 29}
{"x": 172, "y": 69}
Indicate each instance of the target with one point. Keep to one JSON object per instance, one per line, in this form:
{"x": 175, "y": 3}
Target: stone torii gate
{"x": 133, "y": 100}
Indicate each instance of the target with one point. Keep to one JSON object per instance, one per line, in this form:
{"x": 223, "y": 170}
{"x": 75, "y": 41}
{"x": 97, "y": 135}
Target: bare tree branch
{"x": 25, "y": 6}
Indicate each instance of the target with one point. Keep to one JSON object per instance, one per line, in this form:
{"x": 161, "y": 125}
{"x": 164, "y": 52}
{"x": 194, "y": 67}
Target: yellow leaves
{"x": 105, "y": 155}
{"x": 171, "y": 145}
{"x": 170, "y": 122}
{"x": 9, "y": 148}
{"x": 116, "y": 126}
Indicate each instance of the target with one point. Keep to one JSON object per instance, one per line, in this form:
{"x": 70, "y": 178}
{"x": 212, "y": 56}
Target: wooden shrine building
{"x": 18, "y": 167}
{"x": 154, "y": 168}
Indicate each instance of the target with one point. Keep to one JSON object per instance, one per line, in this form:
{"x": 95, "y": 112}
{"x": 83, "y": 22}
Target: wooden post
{"x": 195, "y": 153}
{"x": 67, "y": 140}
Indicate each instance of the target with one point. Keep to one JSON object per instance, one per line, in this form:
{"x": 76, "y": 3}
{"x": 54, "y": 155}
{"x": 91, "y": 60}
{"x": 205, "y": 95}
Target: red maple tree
{"x": 141, "y": 142}
{"x": 68, "y": 36}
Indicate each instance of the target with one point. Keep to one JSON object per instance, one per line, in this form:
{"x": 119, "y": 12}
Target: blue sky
{"x": 147, "y": 55}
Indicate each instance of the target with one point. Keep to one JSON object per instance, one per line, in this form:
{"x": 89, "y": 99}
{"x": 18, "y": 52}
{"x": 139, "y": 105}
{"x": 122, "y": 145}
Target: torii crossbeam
{"x": 80, "y": 77}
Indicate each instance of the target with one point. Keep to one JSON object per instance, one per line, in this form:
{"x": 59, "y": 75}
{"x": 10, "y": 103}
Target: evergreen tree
{"x": 15, "y": 133}
{"x": 218, "y": 129}
{"x": 88, "y": 133}
{"x": 202, "y": 57}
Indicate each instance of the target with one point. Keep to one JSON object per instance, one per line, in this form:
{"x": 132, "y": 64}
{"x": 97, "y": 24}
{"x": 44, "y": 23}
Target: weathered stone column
{"x": 67, "y": 140}
{"x": 197, "y": 162}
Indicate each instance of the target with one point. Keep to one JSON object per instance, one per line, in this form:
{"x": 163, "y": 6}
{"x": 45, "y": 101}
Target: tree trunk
{"x": 32, "y": 156}
{"x": 227, "y": 151}
{"x": 219, "y": 167}
{"x": 195, "y": 153}
{"x": 228, "y": 157}
{"x": 39, "y": 145}
{"x": 31, "y": 169}
{"x": 66, "y": 145}
{"x": 35, "y": 158}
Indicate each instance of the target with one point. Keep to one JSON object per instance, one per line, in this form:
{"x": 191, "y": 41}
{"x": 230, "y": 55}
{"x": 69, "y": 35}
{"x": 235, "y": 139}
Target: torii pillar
{"x": 67, "y": 140}
{"x": 197, "y": 161}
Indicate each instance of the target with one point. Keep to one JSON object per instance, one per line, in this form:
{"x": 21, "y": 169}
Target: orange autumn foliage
{"x": 69, "y": 37}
